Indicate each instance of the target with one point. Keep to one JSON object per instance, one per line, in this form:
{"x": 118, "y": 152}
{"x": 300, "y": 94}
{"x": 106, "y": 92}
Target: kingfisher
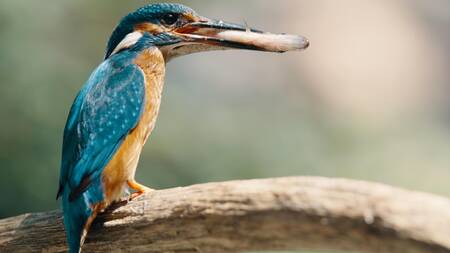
{"x": 115, "y": 111}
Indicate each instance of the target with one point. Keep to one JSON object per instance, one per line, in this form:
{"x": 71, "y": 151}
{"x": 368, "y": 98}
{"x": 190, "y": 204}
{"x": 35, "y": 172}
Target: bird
{"x": 116, "y": 109}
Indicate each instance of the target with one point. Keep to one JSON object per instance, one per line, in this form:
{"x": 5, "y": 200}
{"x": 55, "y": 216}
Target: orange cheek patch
{"x": 186, "y": 30}
{"x": 191, "y": 17}
{"x": 149, "y": 27}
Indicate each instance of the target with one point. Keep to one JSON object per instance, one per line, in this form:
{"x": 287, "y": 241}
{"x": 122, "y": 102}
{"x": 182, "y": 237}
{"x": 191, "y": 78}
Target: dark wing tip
{"x": 82, "y": 187}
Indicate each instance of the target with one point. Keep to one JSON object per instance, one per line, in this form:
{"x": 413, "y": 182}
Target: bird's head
{"x": 177, "y": 30}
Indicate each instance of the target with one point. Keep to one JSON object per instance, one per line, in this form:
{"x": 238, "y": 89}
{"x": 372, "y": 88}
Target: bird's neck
{"x": 152, "y": 63}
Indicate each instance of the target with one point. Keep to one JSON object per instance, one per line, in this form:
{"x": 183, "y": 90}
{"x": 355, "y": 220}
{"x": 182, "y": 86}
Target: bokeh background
{"x": 369, "y": 100}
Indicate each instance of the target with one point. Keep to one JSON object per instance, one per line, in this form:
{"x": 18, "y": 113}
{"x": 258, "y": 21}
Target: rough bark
{"x": 269, "y": 214}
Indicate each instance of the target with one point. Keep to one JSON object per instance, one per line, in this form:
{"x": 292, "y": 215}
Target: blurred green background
{"x": 369, "y": 100}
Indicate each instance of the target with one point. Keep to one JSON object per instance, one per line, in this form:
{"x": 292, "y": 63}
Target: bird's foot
{"x": 139, "y": 188}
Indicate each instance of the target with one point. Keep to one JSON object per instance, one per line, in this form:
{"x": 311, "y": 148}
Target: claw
{"x": 139, "y": 188}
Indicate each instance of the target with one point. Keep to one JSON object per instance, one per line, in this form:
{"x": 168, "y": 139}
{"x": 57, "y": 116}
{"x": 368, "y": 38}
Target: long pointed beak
{"x": 219, "y": 34}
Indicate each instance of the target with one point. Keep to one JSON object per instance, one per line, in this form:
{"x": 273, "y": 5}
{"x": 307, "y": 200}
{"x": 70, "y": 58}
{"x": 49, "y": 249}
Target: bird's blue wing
{"x": 107, "y": 108}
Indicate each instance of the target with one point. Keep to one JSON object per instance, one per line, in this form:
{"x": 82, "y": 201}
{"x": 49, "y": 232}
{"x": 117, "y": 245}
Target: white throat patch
{"x": 128, "y": 41}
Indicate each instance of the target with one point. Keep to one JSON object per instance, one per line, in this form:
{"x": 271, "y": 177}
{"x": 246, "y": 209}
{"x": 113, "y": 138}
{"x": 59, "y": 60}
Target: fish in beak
{"x": 207, "y": 35}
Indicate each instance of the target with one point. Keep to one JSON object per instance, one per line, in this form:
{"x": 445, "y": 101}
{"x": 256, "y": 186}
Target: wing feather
{"x": 107, "y": 108}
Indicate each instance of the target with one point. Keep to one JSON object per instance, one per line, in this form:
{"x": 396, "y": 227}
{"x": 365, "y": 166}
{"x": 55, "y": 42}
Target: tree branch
{"x": 269, "y": 214}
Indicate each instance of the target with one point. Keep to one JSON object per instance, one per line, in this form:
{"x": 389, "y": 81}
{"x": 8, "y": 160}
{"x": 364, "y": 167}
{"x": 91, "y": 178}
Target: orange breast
{"x": 122, "y": 166}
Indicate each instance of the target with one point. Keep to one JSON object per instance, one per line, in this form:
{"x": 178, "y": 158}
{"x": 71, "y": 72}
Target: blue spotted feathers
{"x": 105, "y": 111}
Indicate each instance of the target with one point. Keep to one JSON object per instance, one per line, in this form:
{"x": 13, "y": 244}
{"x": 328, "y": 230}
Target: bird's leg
{"x": 139, "y": 188}
{"x": 96, "y": 209}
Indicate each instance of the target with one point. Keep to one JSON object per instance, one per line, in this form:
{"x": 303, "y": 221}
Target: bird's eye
{"x": 170, "y": 19}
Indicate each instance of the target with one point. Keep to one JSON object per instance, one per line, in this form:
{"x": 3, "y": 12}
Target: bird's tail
{"x": 79, "y": 214}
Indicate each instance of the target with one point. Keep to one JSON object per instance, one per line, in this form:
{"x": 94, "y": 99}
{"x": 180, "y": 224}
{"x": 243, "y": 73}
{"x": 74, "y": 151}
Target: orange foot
{"x": 140, "y": 189}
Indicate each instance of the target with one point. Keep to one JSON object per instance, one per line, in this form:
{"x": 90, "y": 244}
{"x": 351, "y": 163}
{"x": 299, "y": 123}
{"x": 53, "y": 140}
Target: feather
{"x": 107, "y": 108}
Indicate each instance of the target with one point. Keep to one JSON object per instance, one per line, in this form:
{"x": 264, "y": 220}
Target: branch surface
{"x": 267, "y": 214}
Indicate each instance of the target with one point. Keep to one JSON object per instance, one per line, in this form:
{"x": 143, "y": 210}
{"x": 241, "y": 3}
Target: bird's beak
{"x": 207, "y": 34}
